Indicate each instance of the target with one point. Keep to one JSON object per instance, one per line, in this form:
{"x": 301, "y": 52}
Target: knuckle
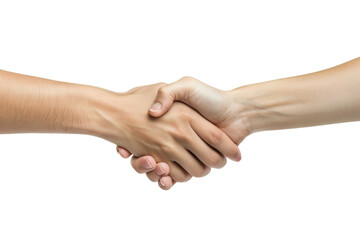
{"x": 137, "y": 170}
{"x": 182, "y": 177}
{"x": 184, "y": 113}
{"x": 216, "y": 137}
{"x": 187, "y": 79}
{"x": 161, "y": 84}
{"x": 181, "y": 136}
{"x": 187, "y": 177}
{"x": 213, "y": 161}
{"x": 222, "y": 163}
{"x": 163, "y": 91}
{"x": 152, "y": 177}
{"x": 167, "y": 147}
{"x": 135, "y": 165}
{"x": 202, "y": 172}
{"x": 179, "y": 133}
{"x": 216, "y": 161}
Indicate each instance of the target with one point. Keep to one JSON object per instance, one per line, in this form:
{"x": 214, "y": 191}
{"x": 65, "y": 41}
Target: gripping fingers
{"x": 216, "y": 138}
{"x": 204, "y": 152}
{"x": 188, "y": 162}
{"x": 161, "y": 169}
{"x": 143, "y": 164}
{"x": 166, "y": 183}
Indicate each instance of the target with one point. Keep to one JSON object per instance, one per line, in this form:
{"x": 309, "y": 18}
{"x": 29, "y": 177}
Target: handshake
{"x": 183, "y": 129}
{"x": 173, "y": 141}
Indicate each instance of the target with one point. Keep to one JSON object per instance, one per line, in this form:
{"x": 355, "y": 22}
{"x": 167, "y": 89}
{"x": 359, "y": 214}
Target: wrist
{"x": 244, "y": 108}
{"x": 98, "y": 108}
{"x": 264, "y": 106}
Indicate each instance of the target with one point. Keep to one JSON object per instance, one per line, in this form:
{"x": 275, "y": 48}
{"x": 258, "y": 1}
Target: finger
{"x": 165, "y": 183}
{"x": 189, "y": 162}
{"x": 206, "y": 154}
{"x": 140, "y": 165}
{"x": 143, "y": 164}
{"x": 152, "y": 176}
{"x": 166, "y": 95}
{"x": 216, "y": 138}
{"x": 177, "y": 173}
{"x": 123, "y": 152}
{"x": 161, "y": 169}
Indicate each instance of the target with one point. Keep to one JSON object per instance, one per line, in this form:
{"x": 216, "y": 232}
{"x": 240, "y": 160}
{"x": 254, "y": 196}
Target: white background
{"x": 291, "y": 184}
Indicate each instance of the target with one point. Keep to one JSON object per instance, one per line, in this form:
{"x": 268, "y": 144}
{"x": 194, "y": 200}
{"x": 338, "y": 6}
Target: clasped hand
{"x": 175, "y": 146}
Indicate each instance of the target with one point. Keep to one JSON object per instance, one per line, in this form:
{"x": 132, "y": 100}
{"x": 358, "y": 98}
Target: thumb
{"x": 166, "y": 96}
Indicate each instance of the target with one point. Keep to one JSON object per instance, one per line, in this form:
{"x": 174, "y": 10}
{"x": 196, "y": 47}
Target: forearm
{"x": 31, "y": 104}
{"x": 324, "y": 97}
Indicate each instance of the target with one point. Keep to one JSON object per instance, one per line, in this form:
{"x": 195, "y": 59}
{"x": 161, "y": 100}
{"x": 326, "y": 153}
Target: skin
{"x": 324, "y": 97}
{"x": 182, "y": 140}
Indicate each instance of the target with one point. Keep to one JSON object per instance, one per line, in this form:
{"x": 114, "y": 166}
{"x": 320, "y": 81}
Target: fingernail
{"x": 147, "y": 165}
{"x": 155, "y": 107}
{"x": 162, "y": 183}
{"x": 159, "y": 171}
{"x": 238, "y": 157}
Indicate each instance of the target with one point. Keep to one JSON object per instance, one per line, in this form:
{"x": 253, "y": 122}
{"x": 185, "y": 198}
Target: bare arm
{"x": 324, "y": 97}
{"x": 31, "y": 104}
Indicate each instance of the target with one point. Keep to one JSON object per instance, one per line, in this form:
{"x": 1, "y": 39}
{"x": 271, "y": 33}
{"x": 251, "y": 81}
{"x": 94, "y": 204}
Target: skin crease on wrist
{"x": 284, "y": 103}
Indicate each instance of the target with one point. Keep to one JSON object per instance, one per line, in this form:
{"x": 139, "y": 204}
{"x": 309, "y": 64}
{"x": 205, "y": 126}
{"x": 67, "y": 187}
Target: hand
{"x": 217, "y": 106}
{"x": 182, "y": 138}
